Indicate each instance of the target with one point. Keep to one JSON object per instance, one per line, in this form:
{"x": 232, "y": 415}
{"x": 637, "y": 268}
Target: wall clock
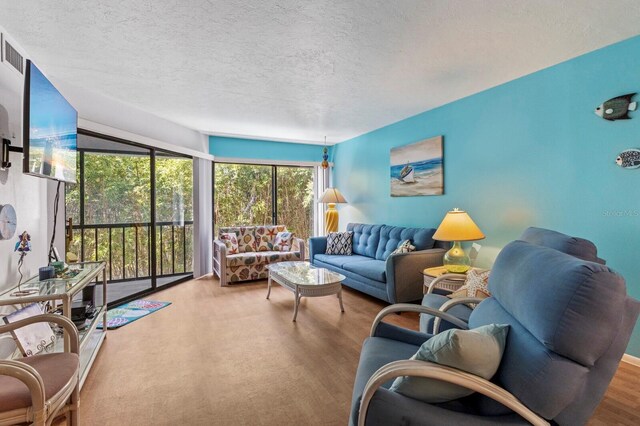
{"x": 8, "y": 222}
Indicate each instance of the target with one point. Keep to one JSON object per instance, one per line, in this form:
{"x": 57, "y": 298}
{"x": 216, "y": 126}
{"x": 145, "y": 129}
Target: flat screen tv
{"x": 50, "y": 129}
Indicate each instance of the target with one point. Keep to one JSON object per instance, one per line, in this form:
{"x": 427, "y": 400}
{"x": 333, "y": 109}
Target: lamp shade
{"x": 458, "y": 226}
{"x": 332, "y": 196}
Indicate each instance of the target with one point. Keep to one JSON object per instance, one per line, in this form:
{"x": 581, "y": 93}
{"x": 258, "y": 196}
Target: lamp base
{"x": 331, "y": 218}
{"x": 456, "y": 260}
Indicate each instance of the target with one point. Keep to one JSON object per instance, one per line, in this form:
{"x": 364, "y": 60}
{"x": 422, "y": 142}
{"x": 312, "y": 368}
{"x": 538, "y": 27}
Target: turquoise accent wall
{"x": 528, "y": 152}
{"x": 264, "y": 150}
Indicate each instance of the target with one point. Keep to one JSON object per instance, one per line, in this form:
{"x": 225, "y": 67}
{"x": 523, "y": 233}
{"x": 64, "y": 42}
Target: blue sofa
{"x": 373, "y": 270}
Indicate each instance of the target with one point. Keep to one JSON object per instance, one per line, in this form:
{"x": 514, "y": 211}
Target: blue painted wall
{"x": 528, "y": 152}
{"x": 264, "y": 150}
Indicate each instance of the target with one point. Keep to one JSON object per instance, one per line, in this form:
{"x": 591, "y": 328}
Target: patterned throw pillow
{"x": 283, "y": 241}
{"x": 404, "y": 247}
{"x": 340, "y": 243}
{"x": 230, "y": 239}
{"x": 247, "y": 239}
{"x": 475, "y": 285}
{"x": 266, "y": 236}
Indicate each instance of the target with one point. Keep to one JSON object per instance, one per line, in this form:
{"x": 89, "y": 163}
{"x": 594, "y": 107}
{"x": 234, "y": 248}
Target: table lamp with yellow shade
{"x": 331, "y": 197}
{"x": 457, "y": 226}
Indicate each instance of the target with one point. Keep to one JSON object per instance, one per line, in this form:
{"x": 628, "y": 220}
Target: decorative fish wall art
{"x": 617, "y": 108}
{"x": 629, "y": 159}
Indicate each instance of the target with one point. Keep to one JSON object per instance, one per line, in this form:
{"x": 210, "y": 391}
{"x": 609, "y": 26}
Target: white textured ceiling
{"x": 300, "y": 70}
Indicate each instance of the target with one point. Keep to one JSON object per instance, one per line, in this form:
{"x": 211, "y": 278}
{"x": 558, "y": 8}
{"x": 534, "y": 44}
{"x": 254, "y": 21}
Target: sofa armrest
{"x": 438, "y": 372}
{"x": 317, "y": 245}
{"x": 450, "y": 304}
{"x": 299, "y": 246}
{"x": 409, "y": 307}
{"x": 64, "y": 322}
{"x": 220, "y": 261}
{"x": 30, "y": 377}
{"x": 404, "y": 273}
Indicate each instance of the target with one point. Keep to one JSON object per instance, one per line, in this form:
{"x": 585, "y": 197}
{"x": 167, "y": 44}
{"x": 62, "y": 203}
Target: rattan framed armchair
{"x": 40, "y": 388}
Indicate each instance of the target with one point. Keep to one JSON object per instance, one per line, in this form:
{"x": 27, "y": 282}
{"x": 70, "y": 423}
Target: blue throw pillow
{"x": 478, "y": 351}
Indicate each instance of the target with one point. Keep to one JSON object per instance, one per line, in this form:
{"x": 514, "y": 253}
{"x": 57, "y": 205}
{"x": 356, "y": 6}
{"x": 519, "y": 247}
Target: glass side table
{"x": 64, "y": 290}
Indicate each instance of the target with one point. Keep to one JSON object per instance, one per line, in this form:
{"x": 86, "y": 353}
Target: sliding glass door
{"x": 174, "y": 217}
{"x": 295, "y": 199}
{"x": 248, "y": 194}
{"x": 132, "y": 208}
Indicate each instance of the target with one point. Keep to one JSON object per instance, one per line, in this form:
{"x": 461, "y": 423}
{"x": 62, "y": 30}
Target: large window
{"x": 123, "y": 192}
{"x": 247, "y": 194}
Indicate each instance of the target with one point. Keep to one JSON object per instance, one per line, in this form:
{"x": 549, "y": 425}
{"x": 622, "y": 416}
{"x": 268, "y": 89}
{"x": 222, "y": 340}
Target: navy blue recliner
{"x": 570, "y": 322}
{"x": 575, "y": 246}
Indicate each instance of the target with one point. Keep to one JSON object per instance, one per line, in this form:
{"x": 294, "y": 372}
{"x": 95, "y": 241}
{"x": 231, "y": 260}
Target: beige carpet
{"x": 227, "y": 356}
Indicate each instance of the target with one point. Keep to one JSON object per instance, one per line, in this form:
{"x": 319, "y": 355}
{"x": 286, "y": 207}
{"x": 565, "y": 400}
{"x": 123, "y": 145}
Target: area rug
{"x": 129, "y": 312}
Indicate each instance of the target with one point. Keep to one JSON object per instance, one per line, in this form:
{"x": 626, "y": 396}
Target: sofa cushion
{"x": 577, "y": 247}
{"x": 339, "y": 260}
{"x": 243, "y": 259}
{"x": 376, "y": 352}
{"x": 56, "y": 370}
{"x": 372, "y": 269}
{"x": 404, "y": 247}
{"x": 391, "y": 236}
{"x": 283, "y": 241}
{"x": 246, "y": 237}
{"x": 476, "y": 351}
{"x": 340, "y": 243}
{"x": 230, "y": 240}
{"x": 528, "y": 279}
{"x": 266, "y": 236}
{"x": 279, "y": 256}
{"x": 365, "y": 238}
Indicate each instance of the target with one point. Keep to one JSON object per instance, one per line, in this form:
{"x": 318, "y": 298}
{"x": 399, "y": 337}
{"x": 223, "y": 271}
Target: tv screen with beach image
{"x": 416, "y": 169}
{"x": 53, "y": 128}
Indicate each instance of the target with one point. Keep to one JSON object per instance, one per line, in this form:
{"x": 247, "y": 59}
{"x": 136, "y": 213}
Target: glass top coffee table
{"x": 305, "y": 280}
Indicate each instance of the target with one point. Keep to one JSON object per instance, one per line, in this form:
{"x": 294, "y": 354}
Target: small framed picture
{"x": 35, "y": 338}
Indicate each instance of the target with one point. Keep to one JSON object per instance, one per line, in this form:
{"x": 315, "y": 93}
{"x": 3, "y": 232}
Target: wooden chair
{"x": 40, "y": 388}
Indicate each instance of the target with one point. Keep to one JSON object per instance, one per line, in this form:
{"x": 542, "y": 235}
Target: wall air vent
{"x": 12, "y": 56}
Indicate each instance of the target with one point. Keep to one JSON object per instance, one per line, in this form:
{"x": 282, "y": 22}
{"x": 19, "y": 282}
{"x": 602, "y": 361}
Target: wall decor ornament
{"x": 416, "y": 169}
{"x": 629, "y": 159}
{"x": 325, "y": 155}
{"x": 8, "y": 222}
{"x": 23, "y": 246}
{"x": 617, "y": 108}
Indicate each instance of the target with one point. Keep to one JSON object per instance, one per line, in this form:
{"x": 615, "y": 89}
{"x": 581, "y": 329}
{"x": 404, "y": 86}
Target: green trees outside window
{"x": 244, "y": 195}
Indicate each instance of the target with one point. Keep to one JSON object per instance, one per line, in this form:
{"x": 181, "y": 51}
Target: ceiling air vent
{"x": 12, "y": 56}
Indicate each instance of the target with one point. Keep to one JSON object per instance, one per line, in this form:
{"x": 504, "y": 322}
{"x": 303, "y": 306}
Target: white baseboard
{"x": 630, "y": 359}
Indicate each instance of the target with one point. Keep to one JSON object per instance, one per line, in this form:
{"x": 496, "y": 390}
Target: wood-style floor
{"x": 227, "y": 356}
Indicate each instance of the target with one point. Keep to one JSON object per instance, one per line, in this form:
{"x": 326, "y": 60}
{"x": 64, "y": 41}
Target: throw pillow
{"x": 283, "y": 241}
{"x": 404, "y": 247}
{"x": 246, "y": 239}
{"x": 475, "y": 285}
{"x": 478, "y": 351}
{"x": 340, "y": 243}
{"x": 230, "y": 239}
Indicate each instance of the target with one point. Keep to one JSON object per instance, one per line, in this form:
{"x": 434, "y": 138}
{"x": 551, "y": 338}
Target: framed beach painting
{"x": 416, "y": 169}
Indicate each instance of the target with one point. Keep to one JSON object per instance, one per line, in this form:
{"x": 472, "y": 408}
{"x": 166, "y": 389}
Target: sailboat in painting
{"x": 406, "y": 174}
{"x": 416, "y": 169}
